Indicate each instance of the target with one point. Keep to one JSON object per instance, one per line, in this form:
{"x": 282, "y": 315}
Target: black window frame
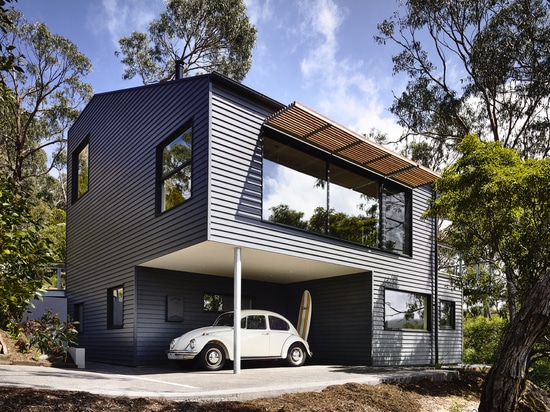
{"x": 76, "y": 170}
{"x": 163, "y": 177}
{"x": 384, "y": 187}
{"x": 452, "y": 315}
{"x": 427, "y": 319}
{"x": 78, "y": 317}
{"x": 226, "y": 302}
{"x": 113, "y": 323}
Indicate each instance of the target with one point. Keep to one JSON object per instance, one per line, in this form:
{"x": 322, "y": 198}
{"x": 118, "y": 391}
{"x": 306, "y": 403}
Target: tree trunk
{"x": 511, "y": 293}
{"x": 506, "y": 379}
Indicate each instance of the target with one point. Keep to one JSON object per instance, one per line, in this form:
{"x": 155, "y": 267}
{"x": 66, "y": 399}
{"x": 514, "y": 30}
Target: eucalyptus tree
{"x": 7, "y": 55}
{"x": 203, "y": 35}
{"x": 499, "y": 206}
{"x": 25, "y": 252}
{"x": 474, "y": 66}
{"x": 45, "y": 98}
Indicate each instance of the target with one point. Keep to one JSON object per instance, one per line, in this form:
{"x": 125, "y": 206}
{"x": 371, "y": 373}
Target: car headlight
{"x": 173, "y": 344}
{"x": 191, "y": 345}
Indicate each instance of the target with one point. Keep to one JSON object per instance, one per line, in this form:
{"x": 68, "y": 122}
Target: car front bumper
{"x": 180, "y": 355}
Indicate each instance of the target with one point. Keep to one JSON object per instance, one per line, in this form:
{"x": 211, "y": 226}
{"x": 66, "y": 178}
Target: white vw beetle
{"x": 264, "y": 335}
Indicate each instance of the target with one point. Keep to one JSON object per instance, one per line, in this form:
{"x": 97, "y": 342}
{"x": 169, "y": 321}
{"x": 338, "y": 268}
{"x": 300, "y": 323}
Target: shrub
{"x": 482, "y": 337}
{"x": 49, "y": 335}
{"x": 539, "y": 373}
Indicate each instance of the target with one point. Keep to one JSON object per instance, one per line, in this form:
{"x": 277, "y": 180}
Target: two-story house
{"x": 168, "y": 180}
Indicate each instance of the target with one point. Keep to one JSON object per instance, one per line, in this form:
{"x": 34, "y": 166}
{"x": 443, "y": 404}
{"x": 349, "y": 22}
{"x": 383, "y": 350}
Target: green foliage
{"x": 360, "y": 229}
{"x": 49, "y": 335}
{"x": 482, "y": 337}
{"x": 499, "y": 208}
{"x": 24, "y": 253}
{"x": 285, "y": 215}
{"x": 8, "y": 58}
{"x": 483, "y": 289}
{"x": 204, "y": 35}
{"x": 539, "y": 373}
{"x": 498, "y": 85}
{"x": 44, "y": 100}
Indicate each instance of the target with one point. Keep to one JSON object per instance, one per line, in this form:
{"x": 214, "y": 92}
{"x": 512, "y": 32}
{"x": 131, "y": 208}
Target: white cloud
{"x": 347, "y": 92}
{"x": 259, "y": 11}
{"x": 322, "y": 19}
{"x": 121, "y": 17}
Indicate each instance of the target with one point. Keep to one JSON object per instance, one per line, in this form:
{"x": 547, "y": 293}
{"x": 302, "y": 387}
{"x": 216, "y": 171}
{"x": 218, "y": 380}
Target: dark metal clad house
{"x": 167, "y": 180}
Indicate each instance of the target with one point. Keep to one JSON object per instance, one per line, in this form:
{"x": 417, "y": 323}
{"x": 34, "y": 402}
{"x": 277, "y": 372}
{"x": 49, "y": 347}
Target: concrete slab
{"x": 193, "y": 385}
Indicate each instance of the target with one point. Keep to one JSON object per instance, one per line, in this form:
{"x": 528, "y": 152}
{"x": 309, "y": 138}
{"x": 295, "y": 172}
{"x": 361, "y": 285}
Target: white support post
{"x": 237, "y": 312}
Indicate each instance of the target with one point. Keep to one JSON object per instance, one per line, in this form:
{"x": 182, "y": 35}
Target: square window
{"x": 406, "y": 310}
{"x": 212, "y": 303}
{"x": 115, "y": 308}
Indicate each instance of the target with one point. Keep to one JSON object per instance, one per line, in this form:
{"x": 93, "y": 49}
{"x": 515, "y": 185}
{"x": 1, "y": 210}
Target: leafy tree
{"x": 285, "y": 215}
{"x": 482, "y": 338}
{"x": 46, "y": 98}
{"x": 8, "y": 60}
{"x": 475, "y": 66}
{"x": 203, "y": 35}
{"x": 24, "y": 252}
{"x": 499, "y": 206}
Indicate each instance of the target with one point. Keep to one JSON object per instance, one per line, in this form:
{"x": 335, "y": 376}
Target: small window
{"x": 217, "y": 302}
{"x": 115, "y": 307}
{"x": 276, "y": 323}
{"x": 212, "y": 303}
{"x": 78, "y": 318}
{"x": 175, "y": 157}
{"x": 406, "y": 310}
{"x": 447, "y": 314}
{"x": 80, "y": 171}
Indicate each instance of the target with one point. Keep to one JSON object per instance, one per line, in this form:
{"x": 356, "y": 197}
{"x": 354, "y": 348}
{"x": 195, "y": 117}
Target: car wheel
{"x": 296, "y": 355}
{"x": 212, "y": 357}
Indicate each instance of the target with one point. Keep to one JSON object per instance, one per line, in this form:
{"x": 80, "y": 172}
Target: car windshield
{"x": 225, "y": 319}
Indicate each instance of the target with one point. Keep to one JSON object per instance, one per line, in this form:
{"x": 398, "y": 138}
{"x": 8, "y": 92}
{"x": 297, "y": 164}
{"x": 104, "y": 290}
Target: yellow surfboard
{"x": 304, "y": 317}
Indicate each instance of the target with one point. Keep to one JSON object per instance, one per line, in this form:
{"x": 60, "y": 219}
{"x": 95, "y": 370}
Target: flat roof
{"x": 305, "y": 124}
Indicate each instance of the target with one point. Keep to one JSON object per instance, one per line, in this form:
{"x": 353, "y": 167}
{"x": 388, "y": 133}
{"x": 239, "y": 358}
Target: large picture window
{"x": 406, "y": 310}
{"x": 175, "y": 157}
{"x": 323, "y": 195}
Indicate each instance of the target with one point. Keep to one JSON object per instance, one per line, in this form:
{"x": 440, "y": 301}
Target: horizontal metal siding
{"x": 341, "y": 318}
{"x": 113, "y": 227}
{"x": 450, "y": 340}
{"x": 407, "y": 347}
{"x": 236, "y": 198}
{"x": 154, "y": 333}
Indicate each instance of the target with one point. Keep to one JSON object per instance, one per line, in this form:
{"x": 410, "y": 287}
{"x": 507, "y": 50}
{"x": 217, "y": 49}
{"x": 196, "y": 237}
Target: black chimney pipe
{"x": 179, "y": 69}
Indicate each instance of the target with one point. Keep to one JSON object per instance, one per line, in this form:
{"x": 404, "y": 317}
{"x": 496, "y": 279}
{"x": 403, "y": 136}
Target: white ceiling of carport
{"x": 213, "y": 258}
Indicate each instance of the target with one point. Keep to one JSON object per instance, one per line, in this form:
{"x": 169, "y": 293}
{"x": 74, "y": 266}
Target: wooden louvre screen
{"x": 303, "y": 123}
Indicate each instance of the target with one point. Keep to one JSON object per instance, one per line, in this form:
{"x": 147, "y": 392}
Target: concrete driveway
{"x": 193, "y": 385}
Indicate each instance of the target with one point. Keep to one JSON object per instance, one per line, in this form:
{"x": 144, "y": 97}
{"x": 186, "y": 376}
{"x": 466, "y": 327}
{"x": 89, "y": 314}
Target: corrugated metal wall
{"x": 236, "y": 214}
{"x": 341, "y": 320}
{"x": 154, "y": 332}
{"x": 113, "y": 227}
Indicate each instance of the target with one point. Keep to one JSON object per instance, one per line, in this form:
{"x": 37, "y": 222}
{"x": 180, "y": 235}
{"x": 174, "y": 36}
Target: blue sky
{"x": 320, "y": 53}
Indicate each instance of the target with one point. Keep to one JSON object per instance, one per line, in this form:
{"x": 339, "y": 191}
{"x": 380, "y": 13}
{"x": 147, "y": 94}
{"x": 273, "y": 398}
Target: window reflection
{"x": 314, "y": 194}
{"x": 406, "y": 310}
{"x": 176, "y": 170}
